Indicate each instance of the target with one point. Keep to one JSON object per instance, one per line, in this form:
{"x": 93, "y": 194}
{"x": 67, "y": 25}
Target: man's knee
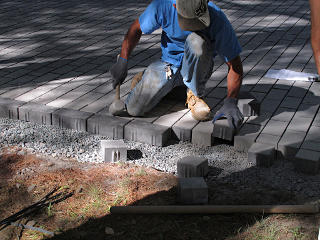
{"x": 196, "y": 43}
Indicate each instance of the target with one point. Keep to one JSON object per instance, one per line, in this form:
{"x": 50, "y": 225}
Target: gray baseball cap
{"x": 193, "y": 15}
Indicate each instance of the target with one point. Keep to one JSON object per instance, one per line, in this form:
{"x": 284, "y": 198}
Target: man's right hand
{"x": 119, "y": 71}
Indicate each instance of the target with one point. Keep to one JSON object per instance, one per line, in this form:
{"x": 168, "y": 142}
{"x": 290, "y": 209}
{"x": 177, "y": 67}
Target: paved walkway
{"x": 56, "y": 54}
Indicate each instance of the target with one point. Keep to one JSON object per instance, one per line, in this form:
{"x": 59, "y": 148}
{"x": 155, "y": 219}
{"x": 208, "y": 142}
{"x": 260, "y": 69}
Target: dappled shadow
{"x": 82, "y": 38}
{"x": 288, "y": 118}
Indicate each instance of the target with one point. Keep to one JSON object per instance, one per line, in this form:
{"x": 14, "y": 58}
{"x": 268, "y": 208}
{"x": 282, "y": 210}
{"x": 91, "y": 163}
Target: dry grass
{"x": 98, "y": 187}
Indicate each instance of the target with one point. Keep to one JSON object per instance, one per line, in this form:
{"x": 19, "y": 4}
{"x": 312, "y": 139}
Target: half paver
{"x": 261, "y": 154}
{"x": 248, "y": 105}
{"x": 68, "y": 118}
{"x": 202, "y": 134}
{"x": 222, "y": 130}
{"x": 37, "y": 113}
{"x": 113, "y": 150}
{"x": 246, "y": 136}
{"x": 146, "y": 132}
{"x": 106, "y": 125}
{"x": 289, "y": 144}
{"x": 192, "y": 191}
{"x": 192, "y": 166}
{"x": 9, "y": 108}
{"x": 307, "y": 161}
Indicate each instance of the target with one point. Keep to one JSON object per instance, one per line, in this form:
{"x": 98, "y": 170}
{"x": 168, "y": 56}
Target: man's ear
{"x": 174, "y": 5}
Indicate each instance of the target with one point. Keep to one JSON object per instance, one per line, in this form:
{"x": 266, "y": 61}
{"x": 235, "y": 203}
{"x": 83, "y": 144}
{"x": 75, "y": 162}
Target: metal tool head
{"x": 314, "y": 79}
{"x": 117, "y": 107}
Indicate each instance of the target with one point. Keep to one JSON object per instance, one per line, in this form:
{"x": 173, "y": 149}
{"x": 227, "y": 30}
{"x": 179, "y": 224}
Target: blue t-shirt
{"x": 162, "y": 13}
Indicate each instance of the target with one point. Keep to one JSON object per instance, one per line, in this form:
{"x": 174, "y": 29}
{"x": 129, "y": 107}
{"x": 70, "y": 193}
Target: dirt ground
{"x": 73, "y": 201}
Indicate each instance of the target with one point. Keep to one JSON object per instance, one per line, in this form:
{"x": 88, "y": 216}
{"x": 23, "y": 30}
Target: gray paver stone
{"x": 289, "y": 144}
{"x": 9, "y": 108}
{"x": 307, "y": 110}
{"x": 258, "y": 96}
{"x": 313, "y": 134}
{"x": 311, "y": 145}
{"x": 246, "y": 136}
{"x": 271, "y": 140}
{"x": 146, "y": 132}
{"x": 113, "y": 150}
{"x": 316, "y": 121}
{"x": 105, "y": 125}
{"x": 276, "y": 128}
{"x": 37, "y": 113}
{"x": 192, "y": 190}
{"x": 248, "y": 105}
{"x": 221, "y": 129}
{"x": 261, "y": 154}
{"x": 68, "y": 118}
{"x": 291, "y": 102}
{"x": 307, "y": 161}
{"x": 297, "y": 92}
{"x": 218, "y": 92}
{"x": 183, "y": 128}
{"x": 283, "y": 114}
{"x": 192, "y": 166}
{"x": 262, "y": 119}
{"x": 276, "y": 94}
{"x": 269, "y": 105}
{"x": 202, "y": 134}
{"x": 300, "y": 124}
{"x": 170, "y": 118}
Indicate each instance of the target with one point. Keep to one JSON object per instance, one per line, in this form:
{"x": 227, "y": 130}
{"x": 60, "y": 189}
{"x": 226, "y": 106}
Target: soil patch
{"x": 93, "y": 188}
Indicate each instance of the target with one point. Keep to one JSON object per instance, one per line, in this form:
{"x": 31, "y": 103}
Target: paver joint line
{"x": 66, "y": 67}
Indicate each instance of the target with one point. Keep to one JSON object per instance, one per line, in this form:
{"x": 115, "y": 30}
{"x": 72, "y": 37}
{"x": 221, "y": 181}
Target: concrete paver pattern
{"x": 57, "y": 53}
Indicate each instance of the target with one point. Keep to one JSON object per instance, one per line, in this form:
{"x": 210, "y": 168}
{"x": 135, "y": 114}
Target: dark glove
{"x": 231, "y": 111}
{"x": 119, "y": 71}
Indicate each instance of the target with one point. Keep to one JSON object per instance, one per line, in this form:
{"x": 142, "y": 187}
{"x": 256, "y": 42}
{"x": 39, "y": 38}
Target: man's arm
{"x": 119, "y": 70}
{"x": 131, "y": 39}
{"x": 234, "y": 78}
{"x": 230, "y": 109}
{"x": 315, "y": 31}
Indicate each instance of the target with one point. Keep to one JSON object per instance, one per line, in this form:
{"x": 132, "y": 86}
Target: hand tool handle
{"x": 117, "y": 97}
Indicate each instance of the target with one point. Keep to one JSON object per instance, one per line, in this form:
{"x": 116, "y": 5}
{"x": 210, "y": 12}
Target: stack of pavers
{"x": 192, "y": 188}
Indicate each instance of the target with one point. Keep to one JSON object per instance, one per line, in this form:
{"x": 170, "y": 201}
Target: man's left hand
{"x": 231, "y": 111}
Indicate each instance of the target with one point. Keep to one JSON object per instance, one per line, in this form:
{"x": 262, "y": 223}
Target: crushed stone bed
{"x": 228, "y": 167}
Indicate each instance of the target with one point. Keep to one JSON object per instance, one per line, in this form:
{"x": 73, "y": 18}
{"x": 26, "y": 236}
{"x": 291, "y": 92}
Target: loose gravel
{"x": 228, "y": 167}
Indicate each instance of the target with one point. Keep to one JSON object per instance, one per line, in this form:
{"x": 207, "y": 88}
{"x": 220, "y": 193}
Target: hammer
{"x": 117, "y": 107}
